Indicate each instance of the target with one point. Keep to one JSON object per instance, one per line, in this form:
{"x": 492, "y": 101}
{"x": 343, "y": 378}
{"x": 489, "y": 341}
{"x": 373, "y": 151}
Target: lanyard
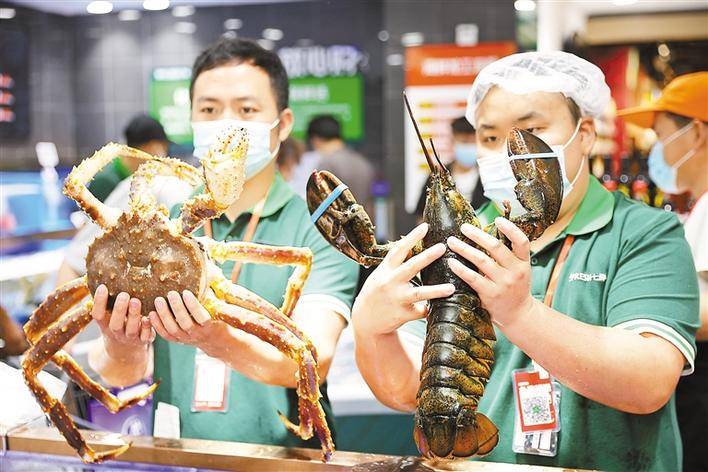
{"x": 558, "y": 266}
{"x": 247, "y": 235}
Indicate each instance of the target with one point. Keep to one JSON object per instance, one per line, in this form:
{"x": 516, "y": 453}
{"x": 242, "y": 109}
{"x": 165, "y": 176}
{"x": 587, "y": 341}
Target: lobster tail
{"x": 467, "y": 435}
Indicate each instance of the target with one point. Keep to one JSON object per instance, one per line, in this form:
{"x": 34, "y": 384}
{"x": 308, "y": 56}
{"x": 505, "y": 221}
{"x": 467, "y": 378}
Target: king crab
{"x": 144, "y": 253}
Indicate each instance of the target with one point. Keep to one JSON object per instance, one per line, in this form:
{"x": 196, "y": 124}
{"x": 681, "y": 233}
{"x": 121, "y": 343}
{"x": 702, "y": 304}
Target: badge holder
{"x": 537, "y": 407}
{"x": 211, "y": 384}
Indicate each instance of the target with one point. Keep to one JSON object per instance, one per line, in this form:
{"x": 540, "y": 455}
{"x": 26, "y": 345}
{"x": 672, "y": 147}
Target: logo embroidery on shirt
{"x": 587, "y": 277}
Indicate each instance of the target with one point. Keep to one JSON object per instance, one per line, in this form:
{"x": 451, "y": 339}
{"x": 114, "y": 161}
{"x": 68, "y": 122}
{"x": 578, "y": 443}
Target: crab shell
{"x": 144, "y": 258}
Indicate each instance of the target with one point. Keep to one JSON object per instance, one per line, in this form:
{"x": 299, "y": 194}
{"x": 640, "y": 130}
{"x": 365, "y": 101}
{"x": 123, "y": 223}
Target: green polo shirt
{"x": 629, "y": 267}
{"x": 108, "y": 179}
{"x": 252, "y": 414}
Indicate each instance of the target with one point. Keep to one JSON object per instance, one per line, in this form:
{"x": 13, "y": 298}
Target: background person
{"x": 464, "y": 168}
{"x": 626, "y": 298}
{"x": 143, "y": 132}
{"x": 678, "y": 163}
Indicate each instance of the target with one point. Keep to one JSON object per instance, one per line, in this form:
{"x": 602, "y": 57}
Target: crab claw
{"x": 540, "y": 183}
{"x": 341, "y": 220}
{"x": 224, "y": 177}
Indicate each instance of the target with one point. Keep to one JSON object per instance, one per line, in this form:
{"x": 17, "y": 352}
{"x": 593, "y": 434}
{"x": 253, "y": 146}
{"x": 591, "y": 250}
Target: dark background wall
{"x": 51, "y": 76}
{"x": 90, "y": 74}
{"x": 114, "y": 59}
{"x": 436, "y": 20}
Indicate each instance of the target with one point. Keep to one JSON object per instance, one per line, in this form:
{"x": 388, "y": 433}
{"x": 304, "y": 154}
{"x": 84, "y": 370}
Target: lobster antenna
{"x": 431, "y": 164}
{"x": 435, "y": 153}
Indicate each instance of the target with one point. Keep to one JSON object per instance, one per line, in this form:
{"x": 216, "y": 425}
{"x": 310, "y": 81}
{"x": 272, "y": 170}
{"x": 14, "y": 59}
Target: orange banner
{"x": 448, "y": 64}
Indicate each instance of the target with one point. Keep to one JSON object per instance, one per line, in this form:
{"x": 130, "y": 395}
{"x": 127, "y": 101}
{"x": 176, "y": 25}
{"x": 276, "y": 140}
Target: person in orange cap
{"x": 678, "y": 162}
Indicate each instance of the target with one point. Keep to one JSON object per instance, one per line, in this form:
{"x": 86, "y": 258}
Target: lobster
{"x": 458, "y": 351}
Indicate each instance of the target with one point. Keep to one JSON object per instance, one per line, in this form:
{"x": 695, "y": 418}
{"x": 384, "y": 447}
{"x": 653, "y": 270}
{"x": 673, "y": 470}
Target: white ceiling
{"x": 78, "y": 7}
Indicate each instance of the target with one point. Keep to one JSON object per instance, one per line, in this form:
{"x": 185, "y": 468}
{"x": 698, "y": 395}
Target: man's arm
{"x": 65, "y": 273}
{"x": 389, "y": 365}
{"x": 607, "y": 365}
{"x": 122, "y": 355}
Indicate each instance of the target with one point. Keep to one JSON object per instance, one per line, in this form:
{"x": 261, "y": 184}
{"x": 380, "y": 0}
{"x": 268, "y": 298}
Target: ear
{"x": 701, "y": 133}
{"x": 285, "y": 126}
{"x": 587, "y": 134}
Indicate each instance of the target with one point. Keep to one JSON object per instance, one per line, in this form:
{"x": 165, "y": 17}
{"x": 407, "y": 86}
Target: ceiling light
{"x": 266, "y": 44}
{"x": 524, "y": 5}
{"x": 155, "y": 5}
{"x": 272, "y": 34}
{"x": 185, "y": 27}
{"x": 383, "y": 35}
{"x": 663, "y": 50}
{"x": 233, "y": 24}
{"x": 230, "y": 34}
{"x": 412, "y": 39}
{"x": 7, "y": 13}
{"x": 181, "y": 11}
{"x": 128, "y": 15}
{"x": 99, "y": 7}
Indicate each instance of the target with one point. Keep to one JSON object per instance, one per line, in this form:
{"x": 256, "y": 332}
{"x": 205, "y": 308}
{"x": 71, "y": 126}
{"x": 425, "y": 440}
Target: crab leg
{"x": 311, "y": 414}
{"x": 244, "y": 298}
{"x": 241, "y": 251}
{"x": 76, "y": 183}
{"x": 37, "y": 357}
{"x": 54, "y": 306}
{"x": 57, "y": 304}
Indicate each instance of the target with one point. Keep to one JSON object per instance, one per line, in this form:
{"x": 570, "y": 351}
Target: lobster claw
{"x": 342, "y": 221}
{"x": 540, "y": 182}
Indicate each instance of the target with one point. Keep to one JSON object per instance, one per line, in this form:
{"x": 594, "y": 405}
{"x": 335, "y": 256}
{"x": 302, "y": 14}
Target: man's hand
{"x": 504, "y": 281}
{"x": 182, "y": 319}
{"x": 124, "y": 329}
{"x": 388, "y": 299}
{"x": 121, "y": 355}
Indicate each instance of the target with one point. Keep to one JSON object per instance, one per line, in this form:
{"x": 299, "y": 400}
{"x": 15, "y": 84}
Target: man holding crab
{"x": 235, "y": 83}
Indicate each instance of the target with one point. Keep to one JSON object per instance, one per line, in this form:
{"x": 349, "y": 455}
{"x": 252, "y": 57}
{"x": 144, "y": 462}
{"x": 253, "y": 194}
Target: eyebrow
{"x": 528, "y": 116}
{"x": 486, "y": 127}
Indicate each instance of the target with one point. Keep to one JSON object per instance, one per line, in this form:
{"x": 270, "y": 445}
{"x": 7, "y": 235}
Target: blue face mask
{"x": 661, "y": 173}
{"x": 466, "y": 154}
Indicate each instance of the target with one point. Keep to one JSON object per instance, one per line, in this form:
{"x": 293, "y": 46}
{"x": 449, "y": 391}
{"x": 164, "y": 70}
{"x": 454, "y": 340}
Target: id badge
{"x": 537, "y": 406}
{"x": 211, "y": 383}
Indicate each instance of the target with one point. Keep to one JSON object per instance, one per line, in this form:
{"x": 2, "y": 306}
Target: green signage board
{"x": 169, "y": 102}
{"x": 342, "y": 97}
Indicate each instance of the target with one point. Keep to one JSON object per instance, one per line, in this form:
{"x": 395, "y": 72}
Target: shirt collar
{"x": 279, "y": 195}
{"x": 594, "y": 212}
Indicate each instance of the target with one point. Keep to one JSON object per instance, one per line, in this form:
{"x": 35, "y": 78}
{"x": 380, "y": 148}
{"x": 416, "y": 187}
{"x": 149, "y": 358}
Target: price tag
{"x": 211, "y": 383}
{"x": 534, "y": 401}
{"x": 537, "y": 403}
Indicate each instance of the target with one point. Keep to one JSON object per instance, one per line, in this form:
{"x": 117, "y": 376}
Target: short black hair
{"x": 462, "y": 126}
{"x": 324, "y": 127}
{"x": 143, "y": 129}
{"x": 230, "y": 50}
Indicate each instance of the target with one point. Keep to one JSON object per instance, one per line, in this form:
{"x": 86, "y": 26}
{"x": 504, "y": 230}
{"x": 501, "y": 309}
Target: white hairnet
{"x": 552, "y": 71}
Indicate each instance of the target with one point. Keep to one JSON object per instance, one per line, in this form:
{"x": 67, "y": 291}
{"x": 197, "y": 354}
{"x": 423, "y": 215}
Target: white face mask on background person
{"x": 498, "y": 179}
{"x": 259, "y": 154}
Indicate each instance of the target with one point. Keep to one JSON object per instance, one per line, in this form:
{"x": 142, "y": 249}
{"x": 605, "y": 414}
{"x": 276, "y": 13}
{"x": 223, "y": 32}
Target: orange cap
{"x": 686, "y": 95}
